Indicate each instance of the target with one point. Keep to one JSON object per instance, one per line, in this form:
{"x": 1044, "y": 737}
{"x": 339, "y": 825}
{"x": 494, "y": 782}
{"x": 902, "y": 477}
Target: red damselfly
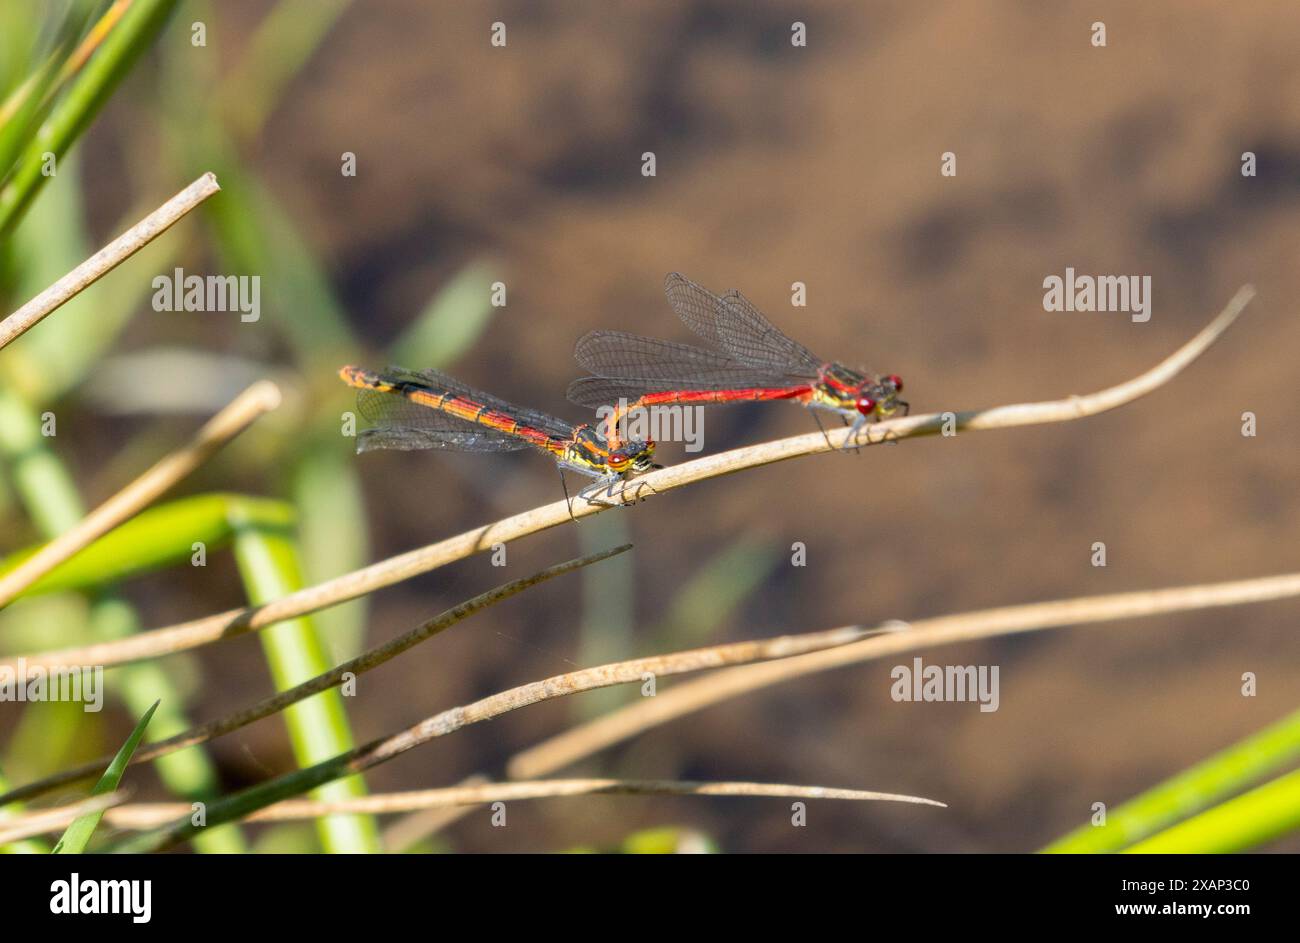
{"x": 750, "y": 360}
{"x": 427, "y": 409}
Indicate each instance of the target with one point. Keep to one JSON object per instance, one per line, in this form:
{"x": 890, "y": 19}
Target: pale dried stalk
{"x": 107, "y": 258}
{"x": 364, "y": 662}
{"x": 409, "y": 829}
{"x": 18, "y": 827}
{"x": 258, "y": 399}
{"x": 602, "y": 676}
{"x": 242, "y": 804}
{"x": 235, "y": 622}
{"x": 799, "y": 654}
{"x": 691, "y": 696}
{"x": 145, "y": 815}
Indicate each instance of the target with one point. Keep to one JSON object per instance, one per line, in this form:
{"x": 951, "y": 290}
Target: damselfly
{"x": 750, "y": 360}
{"x": 427, "y": 409}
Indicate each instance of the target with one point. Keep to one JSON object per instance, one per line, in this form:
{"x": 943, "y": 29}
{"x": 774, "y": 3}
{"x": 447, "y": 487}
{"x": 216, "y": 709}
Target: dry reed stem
{"x": 146, "y": 815}
{"x": 409, "y": 829}
{"x": 258, "y": 399}
{"x": 602, "y": 676}
{"x": 449, "y": 721}
{"x": 627, "y": 722}
{"x": 364, "y": 662}
{"x": 799, "y": 654}
{"x": 18, "y": 827}
{"x": 385, "y": 573}
{"x": 107, "y": 258}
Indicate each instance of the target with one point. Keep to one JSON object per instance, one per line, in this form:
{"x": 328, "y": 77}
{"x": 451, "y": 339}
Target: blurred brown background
{"x": 821, "y": 164}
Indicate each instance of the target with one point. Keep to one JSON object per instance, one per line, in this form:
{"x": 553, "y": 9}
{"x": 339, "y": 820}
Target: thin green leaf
{"x": 715, "y": 592}
{"x": 1193, "y": 790}
{"x": 77, "y": 835}
{"x": 668, "y": 840}
{"x": 158, "y": 537}
{"x": 282, "y": 44}
{"x": 1260, "y": 816}
{"x": 44, "y": 486}
{"x": 318, "y": 727}
{"x": 189, "y": 774}
{"x": 608, "y": 623}
{"x": 28, "y": 104}
{"x": 450, "y": 323}
{"x": 87, "y": 95}
{"x": 333, "y": 529}
{"x": 50, "y": 497}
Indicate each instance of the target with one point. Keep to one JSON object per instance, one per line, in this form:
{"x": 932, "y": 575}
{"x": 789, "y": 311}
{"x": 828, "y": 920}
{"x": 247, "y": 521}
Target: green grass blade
{"x": 39, "y": 478}
{"x": 49, "y": 496}
{"x": 668, "y": 840}
{"x": 279, "y": 49}
{"x": 1193, "y": 790}
{"x": 318, "y": 727}
{"x": 30, "y": 102}
{"x": 19, "y": 24}
{"x": 22, "y": 112}
{"x": 74, "y": 113}
{"x": 78, "y": 833}
{"x": 245, "y": 802}
{"x": 333, "y": 528}
{"x": 252, "y": 232}
{"x": 715, "y": 592}
{"x": 232, "y": 807}
{"x": 188, "y": 774}
{"x": 450, "y": 323}
{"x": 157, "y": 537}
{"x": 1255, "y": 818}
{"x": 608, "y": 624}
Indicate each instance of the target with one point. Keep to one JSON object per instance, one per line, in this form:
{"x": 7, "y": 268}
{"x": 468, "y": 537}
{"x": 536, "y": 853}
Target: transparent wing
{"x": 664, "y": 365}
{"x": 594, "y": 392}
{"x": 735, "y": 326}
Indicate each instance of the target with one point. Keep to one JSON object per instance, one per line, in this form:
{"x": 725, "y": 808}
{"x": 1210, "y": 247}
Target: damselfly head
{"x": 880, "y": 399}
{"x": 635, "y": 457}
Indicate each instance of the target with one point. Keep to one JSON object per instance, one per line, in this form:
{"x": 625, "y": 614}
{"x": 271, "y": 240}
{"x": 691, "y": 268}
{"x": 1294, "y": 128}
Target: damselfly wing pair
{"x": 747, "y": 360}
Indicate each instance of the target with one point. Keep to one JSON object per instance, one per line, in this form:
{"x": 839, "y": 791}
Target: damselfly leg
{"x": 851, "y": 440}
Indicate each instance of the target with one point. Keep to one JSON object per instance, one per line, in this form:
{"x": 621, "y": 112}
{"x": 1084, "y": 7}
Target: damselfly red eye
{"x": 866, "y": 405}
{"x": 895, "y": 381}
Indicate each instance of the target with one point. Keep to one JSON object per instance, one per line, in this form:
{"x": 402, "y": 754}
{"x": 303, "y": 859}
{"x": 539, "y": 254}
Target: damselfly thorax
{"x": 854, "y": 394}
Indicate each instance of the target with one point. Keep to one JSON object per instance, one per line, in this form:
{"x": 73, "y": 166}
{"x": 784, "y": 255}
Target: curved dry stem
{"x": 248, "y": 406}
{"x": 364, "y": 662}
{"x": 403, "y": 834}
{"x": 235, "y": 622}
{"x": 603, "y": 676}
{"x": 242, "y": 804}
{"x": 146, "y": 815}
{"x": 107, "y": 258}
{"x": 799, "y": 655}
{"x": 627, "y": 722}
{"x": 54, "y": 819}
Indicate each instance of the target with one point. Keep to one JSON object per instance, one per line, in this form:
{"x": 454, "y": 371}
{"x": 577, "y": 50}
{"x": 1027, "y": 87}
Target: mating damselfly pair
{"x": 748, "y": 359}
